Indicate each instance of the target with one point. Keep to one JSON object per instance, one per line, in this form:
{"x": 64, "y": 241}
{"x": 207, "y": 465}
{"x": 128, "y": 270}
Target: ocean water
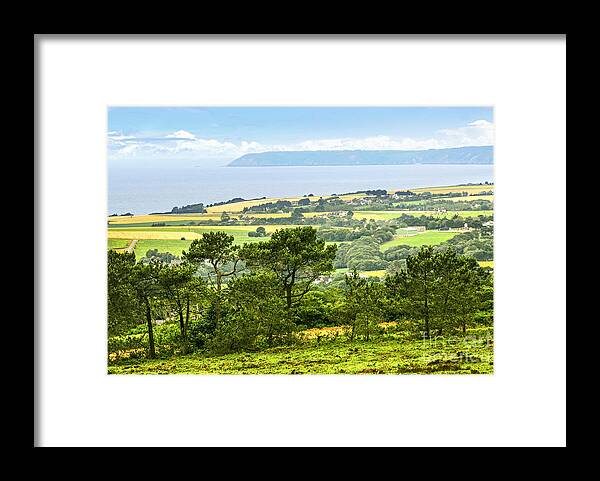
{"x": 157, "y": 189}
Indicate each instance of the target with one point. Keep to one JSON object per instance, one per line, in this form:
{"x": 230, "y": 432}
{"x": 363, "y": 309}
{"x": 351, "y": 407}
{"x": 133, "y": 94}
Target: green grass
{"x": 175, "y": 247}
{"x": 381, "y": 355}
{"x": 406, "y": 231}
{"x": 170, "y": 223}
{"x": 425, "y": 238}
{"x": 117, "y": 243}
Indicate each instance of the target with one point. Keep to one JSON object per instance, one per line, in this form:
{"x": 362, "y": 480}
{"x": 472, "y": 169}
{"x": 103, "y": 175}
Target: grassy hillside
{"x": 388, "y": 355}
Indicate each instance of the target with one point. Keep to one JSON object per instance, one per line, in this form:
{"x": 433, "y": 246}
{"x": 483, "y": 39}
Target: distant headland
{"x": 478, "y": 155}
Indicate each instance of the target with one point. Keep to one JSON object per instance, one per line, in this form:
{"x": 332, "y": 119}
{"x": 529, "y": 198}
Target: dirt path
{"x": 129, "y": 249}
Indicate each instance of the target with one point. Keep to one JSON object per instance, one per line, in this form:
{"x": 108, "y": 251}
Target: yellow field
{"x": 239, "y": 206}
{"x": 146, "y": 234}
{"x": 379, "y": 273}
{"x": 189, "y": 233}
{"x": 138, "y": 219}
{"x": 471, "y": 189}
{"x": 486, "y": 264}
{"x": 332, "y": 331}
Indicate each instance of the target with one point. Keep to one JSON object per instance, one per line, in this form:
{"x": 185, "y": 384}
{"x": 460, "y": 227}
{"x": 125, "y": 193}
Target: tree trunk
{"x": 181, "y": 323}
{"x": 218, "y": 304}
{"x": 182, "y": 330}
{"x": 187, "y": 315}
{"x": 185, "y": 326}
{"x": 288, "y": 296}
{"x": 427, "y": 335}
{"x": 150, "y": 330}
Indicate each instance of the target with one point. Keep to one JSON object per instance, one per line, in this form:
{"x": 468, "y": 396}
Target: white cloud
{"x": 181, "y": 134}
{"x": 117, "y": 138}
{"x": 481, "y": 123}
{"x": 184, "y": 145}
{"x": 479, "y": 132}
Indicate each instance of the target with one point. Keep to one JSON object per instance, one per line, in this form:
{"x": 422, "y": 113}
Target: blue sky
{"x": 217, "y": 135}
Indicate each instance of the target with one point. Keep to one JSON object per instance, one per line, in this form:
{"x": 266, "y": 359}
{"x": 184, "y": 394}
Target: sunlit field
{"x": 471, "y": 189}
{"x": 420, "y": 239}
{"x": 329, "y": 351}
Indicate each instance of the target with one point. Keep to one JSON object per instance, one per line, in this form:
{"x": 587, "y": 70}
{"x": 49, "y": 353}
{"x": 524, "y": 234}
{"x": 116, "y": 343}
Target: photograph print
{"x": 300, "y": 240}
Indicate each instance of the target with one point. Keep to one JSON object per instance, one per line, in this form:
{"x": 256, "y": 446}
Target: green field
{"x": 388, "y": 355}
{"x": 425, "y": 238}
{"x": 117, "y": 243}
{"x": 406, "y": 231}
{"x": 175, "y": 247}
